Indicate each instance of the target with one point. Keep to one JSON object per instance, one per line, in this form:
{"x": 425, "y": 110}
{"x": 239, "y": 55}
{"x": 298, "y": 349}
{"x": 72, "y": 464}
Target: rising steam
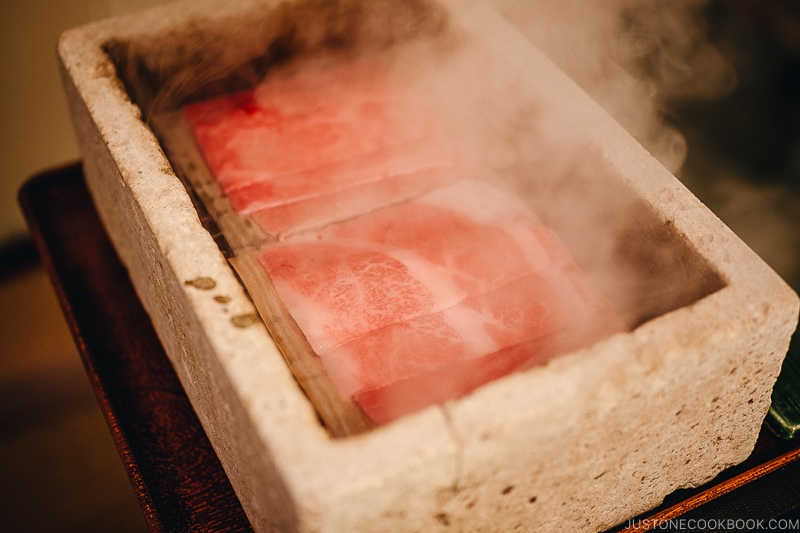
{"x": 631, "y": 56}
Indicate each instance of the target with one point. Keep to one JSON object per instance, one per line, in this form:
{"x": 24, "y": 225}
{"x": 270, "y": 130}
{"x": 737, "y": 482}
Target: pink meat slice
{"x": 475, "y": 328}
{"x": 384, "y": 356}
{"x": 315, "y": 212}
{"x": 337, "y": 293}
{"x": 312, "y": 136}
{"x": 458, "y": 379}
{"x": 478, "y": 256}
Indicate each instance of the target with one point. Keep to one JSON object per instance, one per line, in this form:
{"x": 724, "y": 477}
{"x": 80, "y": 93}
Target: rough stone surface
{"x": 580, "y": 444}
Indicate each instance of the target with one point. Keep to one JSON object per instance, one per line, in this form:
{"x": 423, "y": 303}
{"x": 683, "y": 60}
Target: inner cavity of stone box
{"x": 506, "y": 130}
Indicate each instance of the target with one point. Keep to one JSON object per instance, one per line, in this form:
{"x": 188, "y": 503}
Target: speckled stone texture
{"x": 583, "y": 443}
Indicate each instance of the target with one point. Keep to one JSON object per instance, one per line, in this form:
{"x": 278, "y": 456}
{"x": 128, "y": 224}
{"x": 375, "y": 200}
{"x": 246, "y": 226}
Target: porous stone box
{"x": 585, "y": 442}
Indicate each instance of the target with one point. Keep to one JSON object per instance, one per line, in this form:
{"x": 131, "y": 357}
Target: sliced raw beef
{"x": 314, "y": 145}
{"x": 423, "y": 301}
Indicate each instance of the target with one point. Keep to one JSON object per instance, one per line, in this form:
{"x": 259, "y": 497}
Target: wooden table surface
{"x": 175, "y": 473}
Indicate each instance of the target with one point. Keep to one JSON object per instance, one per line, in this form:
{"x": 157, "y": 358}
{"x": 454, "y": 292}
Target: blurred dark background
{"x": 744, "y": 148}
{"x": 59, "y": 468}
